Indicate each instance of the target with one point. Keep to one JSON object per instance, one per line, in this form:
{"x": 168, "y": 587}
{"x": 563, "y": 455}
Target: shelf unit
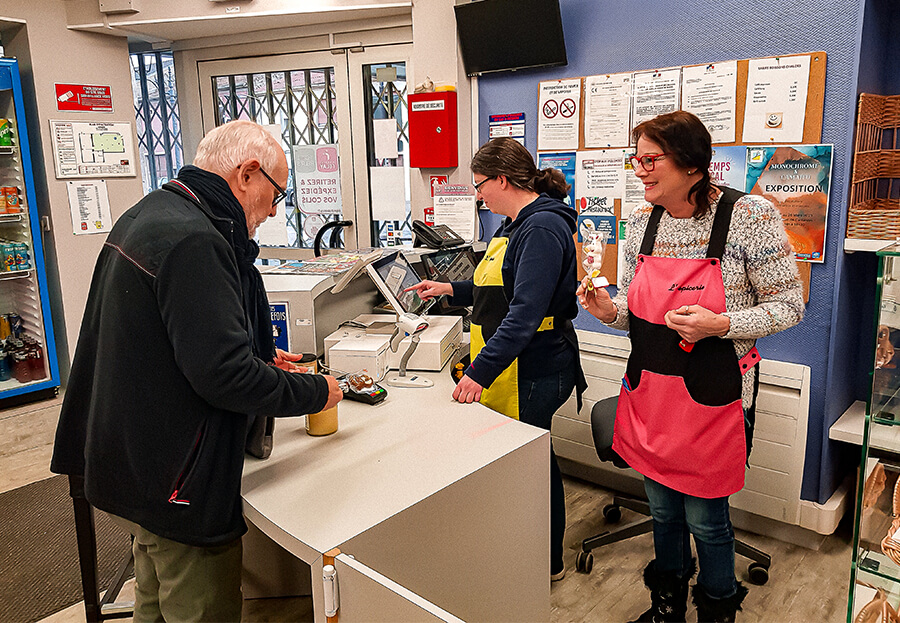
{"x": 875, "y": 570}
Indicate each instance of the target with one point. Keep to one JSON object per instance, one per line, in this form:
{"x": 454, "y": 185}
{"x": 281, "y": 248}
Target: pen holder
{"x": 324, "y": 422}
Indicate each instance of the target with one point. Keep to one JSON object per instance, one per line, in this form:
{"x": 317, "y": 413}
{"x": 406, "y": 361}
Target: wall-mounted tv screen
{"x": 499, "y": 35}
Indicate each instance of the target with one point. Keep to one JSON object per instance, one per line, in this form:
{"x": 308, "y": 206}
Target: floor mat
{"x": 39, "y": 572}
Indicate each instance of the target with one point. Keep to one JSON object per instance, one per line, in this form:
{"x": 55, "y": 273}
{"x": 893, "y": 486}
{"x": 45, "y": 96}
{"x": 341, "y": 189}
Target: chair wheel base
{"x": 584, "y": 562}
{"x": 758, "y": 574}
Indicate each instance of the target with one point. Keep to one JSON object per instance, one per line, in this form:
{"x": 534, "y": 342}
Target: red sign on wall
{"x": 437, "y": 180}
{"x": 84, "y": 97}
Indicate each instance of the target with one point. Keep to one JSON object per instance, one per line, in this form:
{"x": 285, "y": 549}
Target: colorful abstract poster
{"x": 797, "y": 179}
{"x": 565, "y": 162}
{"x": 728, "y": 166}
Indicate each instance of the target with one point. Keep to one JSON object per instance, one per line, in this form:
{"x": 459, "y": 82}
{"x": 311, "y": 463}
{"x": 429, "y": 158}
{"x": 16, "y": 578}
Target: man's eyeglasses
{"x": 281, "y": 192}
{"x": 647, "y": 161}
{"x": 481, "y": 183}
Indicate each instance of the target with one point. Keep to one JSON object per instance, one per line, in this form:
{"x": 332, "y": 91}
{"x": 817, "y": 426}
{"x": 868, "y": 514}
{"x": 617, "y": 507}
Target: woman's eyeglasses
{"x": 481, "y": 183}
{"x": 281, "y": 192}
{"x": 647, "y": 161}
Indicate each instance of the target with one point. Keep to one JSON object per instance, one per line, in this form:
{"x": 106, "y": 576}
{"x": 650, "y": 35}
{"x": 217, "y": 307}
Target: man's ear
{"x": 245, "y": 170}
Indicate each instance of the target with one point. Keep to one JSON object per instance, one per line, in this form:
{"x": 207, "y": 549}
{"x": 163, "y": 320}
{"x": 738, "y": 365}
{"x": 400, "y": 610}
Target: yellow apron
{"x": 489, "y": 309}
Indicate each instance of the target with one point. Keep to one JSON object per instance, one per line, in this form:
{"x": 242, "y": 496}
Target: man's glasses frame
{"x": 281, "y": 194}
{"x": 647, "y": 161}
{"x": 481, "y": 183}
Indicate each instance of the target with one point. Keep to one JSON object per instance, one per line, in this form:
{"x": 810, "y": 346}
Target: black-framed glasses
{"x": 481, "y": 183}
{"x": 647, "y": 161}
{"x": 281, "y": 192}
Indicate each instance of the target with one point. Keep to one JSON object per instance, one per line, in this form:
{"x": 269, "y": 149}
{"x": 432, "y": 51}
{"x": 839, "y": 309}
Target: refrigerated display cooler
{"x": 28, "y": 360}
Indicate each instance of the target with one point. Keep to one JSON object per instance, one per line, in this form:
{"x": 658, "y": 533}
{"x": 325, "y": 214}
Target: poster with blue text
{"x": 565, "y": 162}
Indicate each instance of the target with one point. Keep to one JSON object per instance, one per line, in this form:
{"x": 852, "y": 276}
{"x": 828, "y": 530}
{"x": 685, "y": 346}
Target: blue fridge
{"x": 28, "y": 362}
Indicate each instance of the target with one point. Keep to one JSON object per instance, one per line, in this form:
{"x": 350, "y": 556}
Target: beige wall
{"x": 35, "y": 31}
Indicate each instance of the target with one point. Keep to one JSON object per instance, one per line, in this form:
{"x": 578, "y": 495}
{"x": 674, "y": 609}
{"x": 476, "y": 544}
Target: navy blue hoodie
{"x": 539, "y": 278}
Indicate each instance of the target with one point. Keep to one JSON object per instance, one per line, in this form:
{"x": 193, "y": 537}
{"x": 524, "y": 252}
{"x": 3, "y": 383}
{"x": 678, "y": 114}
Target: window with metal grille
{"x": 302, "y": 103}
{"x": 387, "y": 100}
{"x": 156, "y": 115}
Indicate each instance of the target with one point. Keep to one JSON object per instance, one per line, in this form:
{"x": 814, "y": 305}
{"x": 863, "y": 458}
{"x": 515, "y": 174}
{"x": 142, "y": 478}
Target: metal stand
{"x": 95, "y": 608}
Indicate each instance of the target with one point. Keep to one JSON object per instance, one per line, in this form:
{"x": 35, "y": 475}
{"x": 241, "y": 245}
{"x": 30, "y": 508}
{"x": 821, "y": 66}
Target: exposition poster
{"x": 565, "y": 162}
{"x": 797, "y": 179}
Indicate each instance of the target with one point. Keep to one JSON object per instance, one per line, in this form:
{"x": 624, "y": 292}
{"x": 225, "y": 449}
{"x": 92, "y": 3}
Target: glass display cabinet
{"x": 875, "y": 572}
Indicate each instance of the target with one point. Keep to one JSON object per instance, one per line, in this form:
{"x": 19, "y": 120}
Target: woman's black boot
{"x": 711, "y": 610}
{"x": 668, "y": 594}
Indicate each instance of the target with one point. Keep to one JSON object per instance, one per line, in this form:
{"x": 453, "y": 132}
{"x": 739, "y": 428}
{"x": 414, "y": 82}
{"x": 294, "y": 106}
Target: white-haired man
{"x": 174, "y": 359}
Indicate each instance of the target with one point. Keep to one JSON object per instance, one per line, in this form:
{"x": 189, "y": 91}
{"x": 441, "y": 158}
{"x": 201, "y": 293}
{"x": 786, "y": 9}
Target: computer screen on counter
{"x": 455, "y": 264}
{"x": 392, "y": 275}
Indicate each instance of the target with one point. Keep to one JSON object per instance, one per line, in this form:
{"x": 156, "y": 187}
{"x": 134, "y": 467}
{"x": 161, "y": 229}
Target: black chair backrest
{"x": 603, "y": 420}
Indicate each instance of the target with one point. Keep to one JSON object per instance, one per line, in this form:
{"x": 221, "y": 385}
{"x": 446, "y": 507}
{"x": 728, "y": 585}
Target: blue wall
{"x": 609, "y": 37}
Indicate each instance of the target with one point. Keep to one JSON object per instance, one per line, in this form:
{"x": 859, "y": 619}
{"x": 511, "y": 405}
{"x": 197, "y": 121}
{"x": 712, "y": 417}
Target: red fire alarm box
{"x": 432, "y": 130}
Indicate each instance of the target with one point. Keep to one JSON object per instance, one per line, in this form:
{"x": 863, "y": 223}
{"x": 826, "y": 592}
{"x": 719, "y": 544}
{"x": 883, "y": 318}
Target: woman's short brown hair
{"x": 687, "y": 141}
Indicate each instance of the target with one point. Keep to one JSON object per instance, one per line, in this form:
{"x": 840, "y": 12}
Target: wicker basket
{"x": 874, "y": 211}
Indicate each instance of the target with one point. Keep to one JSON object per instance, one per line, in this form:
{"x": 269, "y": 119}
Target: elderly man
{"x": 174, "y": 358}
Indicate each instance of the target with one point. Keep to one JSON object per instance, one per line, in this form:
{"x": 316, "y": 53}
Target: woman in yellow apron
{"x": 524, "y": 351}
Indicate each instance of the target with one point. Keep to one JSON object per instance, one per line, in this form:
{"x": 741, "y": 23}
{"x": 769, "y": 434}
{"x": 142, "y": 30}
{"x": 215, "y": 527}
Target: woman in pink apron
{"x": 708, "y": 271}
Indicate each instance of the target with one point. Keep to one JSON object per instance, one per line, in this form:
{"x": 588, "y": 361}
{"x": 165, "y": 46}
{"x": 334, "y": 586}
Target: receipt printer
{"x": 436, "y": 343}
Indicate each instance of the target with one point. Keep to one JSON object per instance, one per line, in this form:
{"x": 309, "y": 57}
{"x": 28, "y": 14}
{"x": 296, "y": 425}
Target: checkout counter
{"x": 427, "y": 509}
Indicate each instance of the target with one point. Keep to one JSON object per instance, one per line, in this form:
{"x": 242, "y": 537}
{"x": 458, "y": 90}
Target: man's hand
{"x": 693, "y": 323}
{"x": 467, "y": 390}
{"x": 430, "y": 289}
{"x": 335, "y": 394}
{"x": 284, "y": 360}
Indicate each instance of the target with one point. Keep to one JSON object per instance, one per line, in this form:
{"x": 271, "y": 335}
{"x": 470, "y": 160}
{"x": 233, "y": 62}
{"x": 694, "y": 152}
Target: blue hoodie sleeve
{"x": 537, "y": 266}
{"x": 463, "y": 293}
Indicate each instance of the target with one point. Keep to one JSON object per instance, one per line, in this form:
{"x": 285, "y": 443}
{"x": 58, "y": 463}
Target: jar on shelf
{"x": 21, "y": 369}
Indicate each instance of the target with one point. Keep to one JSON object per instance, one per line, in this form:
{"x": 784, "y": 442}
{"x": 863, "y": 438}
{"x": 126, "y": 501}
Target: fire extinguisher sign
{"x": 437, "y": 180}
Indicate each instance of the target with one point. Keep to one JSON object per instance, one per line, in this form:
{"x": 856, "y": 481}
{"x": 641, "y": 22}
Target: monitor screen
{"x": 456, "y": 264}
{"x": 497, "y": 35}
{"x": 393, "y": 274}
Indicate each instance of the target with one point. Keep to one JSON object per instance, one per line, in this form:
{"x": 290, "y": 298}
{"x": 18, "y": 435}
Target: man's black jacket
{"x": 156, "y": 408}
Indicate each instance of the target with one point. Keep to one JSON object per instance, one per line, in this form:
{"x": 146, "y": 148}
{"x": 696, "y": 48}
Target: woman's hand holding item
{"x": 596, "y": 301}
{"x": 467, "y": 390}
{"x": 693, "y": 323}
{"x": 429, "y": 289}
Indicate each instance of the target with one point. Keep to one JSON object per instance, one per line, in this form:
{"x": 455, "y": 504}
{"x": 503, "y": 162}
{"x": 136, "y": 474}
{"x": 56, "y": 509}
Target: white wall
{"x": 35, "y": 31}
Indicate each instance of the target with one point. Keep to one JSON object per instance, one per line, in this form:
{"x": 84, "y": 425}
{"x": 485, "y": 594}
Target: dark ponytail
{"x": 508, "y": 157}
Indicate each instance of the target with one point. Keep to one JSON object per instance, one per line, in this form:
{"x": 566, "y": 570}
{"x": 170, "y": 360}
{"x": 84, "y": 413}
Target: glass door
{"x": 321, "y": 105}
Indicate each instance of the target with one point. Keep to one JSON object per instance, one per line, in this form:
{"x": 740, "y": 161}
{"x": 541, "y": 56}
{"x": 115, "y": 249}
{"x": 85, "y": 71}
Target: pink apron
{"x": 679, "y": 419}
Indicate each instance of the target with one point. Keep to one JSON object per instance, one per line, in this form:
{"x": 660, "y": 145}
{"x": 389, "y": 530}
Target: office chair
{"x": 602, "y": 421}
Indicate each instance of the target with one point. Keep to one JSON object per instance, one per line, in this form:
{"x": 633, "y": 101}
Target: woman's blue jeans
{"x": 538, "y": 400}
{"x": 675, "y": 517}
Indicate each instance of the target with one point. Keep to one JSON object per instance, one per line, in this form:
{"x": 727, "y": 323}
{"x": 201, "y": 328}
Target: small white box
{"x": 358, "y": 352}
{"x": 437, "y": 343}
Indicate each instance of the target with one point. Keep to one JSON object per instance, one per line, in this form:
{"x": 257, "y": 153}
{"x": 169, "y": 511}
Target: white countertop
{"x": 315, "y": 493}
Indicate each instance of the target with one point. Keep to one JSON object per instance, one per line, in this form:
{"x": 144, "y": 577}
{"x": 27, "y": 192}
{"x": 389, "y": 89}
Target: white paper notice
{"x": 82, "y": 149}
{"x": 607, "y": 106}
{"x": 709, "y": 91}
{"x": 454, "y": 206}
{"x": 776, "y": 99}
{"x": 273, "y": 231}
{"x": 388, "y": 193}
{"x": 317, "y": 179}
{"x": 599, "y": 180}
{"x": 89, "y": 206}
{"x": 655, "y": 93}
{"x": 634, "y": 189}
{"x": 385, "y": 131}
{"x": 558, "y": 118}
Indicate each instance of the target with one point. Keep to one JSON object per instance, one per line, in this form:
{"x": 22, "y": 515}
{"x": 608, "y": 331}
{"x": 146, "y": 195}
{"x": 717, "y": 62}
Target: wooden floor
{"x": 805, "y": 586}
